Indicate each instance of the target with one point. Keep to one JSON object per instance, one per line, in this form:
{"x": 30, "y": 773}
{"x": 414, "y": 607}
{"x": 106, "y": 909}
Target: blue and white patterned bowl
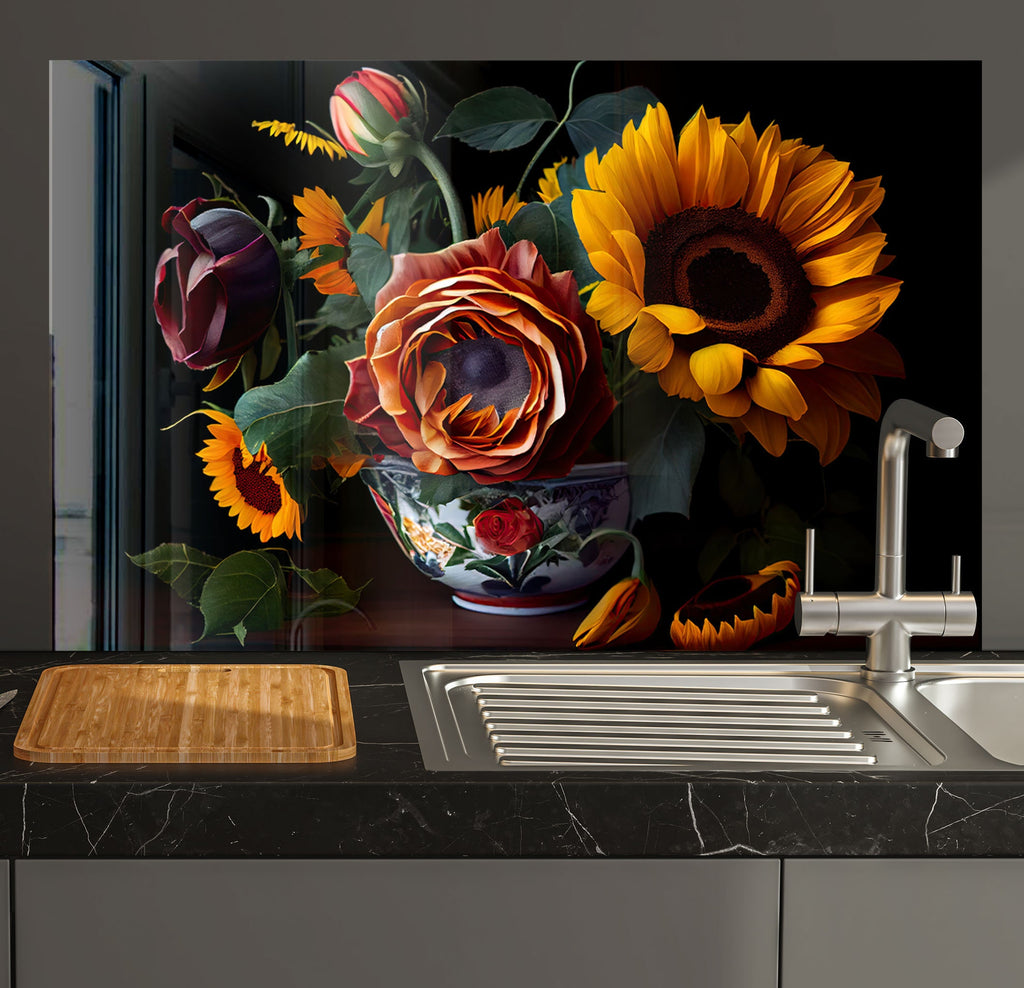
{"x": 551, "y": 574}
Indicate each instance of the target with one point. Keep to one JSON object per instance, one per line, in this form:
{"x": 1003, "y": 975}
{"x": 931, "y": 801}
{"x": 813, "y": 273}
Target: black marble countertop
{"x": 384, "y": 803}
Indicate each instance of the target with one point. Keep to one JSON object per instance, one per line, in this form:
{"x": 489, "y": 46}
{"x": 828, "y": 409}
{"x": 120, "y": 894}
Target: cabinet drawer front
{"x": 505, "y": 924}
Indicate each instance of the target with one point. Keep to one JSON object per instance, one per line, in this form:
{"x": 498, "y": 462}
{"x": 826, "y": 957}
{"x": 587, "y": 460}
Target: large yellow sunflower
{"x": 745, "y": 268}
{"x": 248, "y": 485}
{"x": 322, "y": 224}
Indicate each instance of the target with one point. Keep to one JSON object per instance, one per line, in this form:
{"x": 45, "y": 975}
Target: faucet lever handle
{"x": 809, "y": 563}
{"x": 956, "y": 574}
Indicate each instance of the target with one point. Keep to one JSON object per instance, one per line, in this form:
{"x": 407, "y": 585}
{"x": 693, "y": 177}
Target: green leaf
{"x": 244, "y": 593}
{"x": 785, "y": 529}
{"x": 664, "y": 439}
{"x": 435, "y": 489}
{"x": 598, "y": 121}
{"x": 550, "y": 227}
{"x": 488, "y": 568}
{"x": 344, "y": 312}
{"x": 738, "y": 483}
{"x": 755, "y": 554}
{"x": 270, "y": 352}
{"x": 404, "y": 206}
{"x": 302, "y": 415}
{"x": 370, "y": 266}
{"x": 452, "y": 534}
{"x": 275, "y": 213}
{"x": 498, "y": 119}
{"x": 715, "y": 552}
{"x": 303, "y": 262}
{"x": 332, "y": 588}
{"x": 249, "y": 366}
{"x": 536, "y": 556}
{"x": 185, "y": 569}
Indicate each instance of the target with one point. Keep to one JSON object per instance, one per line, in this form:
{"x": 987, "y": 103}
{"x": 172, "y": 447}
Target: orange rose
{"x": 481, "y": 361}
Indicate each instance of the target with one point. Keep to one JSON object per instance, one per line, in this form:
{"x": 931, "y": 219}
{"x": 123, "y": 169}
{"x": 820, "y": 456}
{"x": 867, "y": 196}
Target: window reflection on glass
{"x": 81, "y": 135}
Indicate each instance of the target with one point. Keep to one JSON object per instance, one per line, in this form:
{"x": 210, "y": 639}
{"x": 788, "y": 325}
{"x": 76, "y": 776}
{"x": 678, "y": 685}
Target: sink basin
{"x": 990, "y": 710}
{"x": 522, "y": 714}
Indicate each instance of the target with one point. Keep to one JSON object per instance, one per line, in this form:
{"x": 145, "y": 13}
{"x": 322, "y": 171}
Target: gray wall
{"x": 736, "y": 29}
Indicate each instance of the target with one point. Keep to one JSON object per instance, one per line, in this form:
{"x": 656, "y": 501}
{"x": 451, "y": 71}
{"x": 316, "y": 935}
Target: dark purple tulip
{"x": 228, "y": 283}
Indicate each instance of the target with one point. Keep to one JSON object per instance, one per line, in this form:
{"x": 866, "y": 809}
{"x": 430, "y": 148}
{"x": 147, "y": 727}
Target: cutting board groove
{"x": 188, "y": 713}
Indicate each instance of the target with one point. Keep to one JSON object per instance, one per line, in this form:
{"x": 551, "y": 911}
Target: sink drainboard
{"x": 564, "y": 725}
{"x": 559, "y": 717}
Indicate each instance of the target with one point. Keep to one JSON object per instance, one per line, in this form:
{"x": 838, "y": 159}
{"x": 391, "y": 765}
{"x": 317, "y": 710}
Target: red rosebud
{"x": 366, "y": 107}
{"x": 508, "y": 528}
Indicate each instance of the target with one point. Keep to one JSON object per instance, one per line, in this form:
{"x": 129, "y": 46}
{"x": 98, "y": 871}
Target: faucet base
{"x": 887, "y": 676}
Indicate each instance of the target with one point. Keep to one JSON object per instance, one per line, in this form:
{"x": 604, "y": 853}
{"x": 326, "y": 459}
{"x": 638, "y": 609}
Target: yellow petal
{"x": 857, "y": 392}
{"x": 676, "y": 379}
{"x": 767, "y": 428}
{"x": 613, "y": 306}
{"x": 795, "y": 355}
{"x": 842, "y": 261}
{"x": 595, "y": 215}
{"x": 650, "y": 344}
{"x": 731, "y": 405}
{"x": 775, "y": 390}
{"x": 677, "y": 319}
{"x": 810, "y": 191}
{"x": 868, "y": 354}
{"x": 717, "y": 368}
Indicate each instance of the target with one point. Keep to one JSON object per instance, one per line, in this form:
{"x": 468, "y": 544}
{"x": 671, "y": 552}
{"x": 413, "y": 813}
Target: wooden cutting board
{"x": 188, "y": 713}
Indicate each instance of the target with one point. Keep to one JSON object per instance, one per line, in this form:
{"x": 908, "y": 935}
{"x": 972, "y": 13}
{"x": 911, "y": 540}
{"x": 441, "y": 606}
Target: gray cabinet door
{"x": 943, "y": 924}
{"x": 397, "y": 924}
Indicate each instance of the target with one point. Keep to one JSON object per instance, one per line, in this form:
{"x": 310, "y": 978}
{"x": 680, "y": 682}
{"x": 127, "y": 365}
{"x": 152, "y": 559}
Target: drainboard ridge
{"x": 602, "y": 726}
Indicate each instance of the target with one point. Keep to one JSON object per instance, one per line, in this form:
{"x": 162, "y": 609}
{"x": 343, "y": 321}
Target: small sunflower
{"x": 310, "y": 143}
{"x": 733, "y": 613}
{"x": 248, "y": 485}
{"x": 745, "y": 268}
{"x": 492, "y": 207}
{"x": 322, "y": 223}
{"x": 548, "y": 188}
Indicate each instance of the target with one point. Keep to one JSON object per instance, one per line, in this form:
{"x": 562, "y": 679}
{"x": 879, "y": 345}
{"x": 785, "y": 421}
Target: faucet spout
{"x": 942, "y": 435}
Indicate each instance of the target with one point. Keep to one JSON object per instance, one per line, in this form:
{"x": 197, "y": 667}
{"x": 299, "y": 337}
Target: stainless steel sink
{"x": 990, "y": 710}
{"x": 523, "y": 714}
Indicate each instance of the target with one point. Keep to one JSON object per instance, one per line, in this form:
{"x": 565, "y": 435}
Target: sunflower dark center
{"x": 493, "y": 372}
{"x": 257, "y": 489}
{"x": 736, "y": 270}
{"x": 732, "y": 597}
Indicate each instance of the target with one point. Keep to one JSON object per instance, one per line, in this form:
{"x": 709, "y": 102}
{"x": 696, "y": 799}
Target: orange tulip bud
{"x": 628, "y": 612}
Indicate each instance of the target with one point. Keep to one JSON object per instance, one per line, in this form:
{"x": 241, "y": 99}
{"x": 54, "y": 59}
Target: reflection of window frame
{"x": 84, "y": 585}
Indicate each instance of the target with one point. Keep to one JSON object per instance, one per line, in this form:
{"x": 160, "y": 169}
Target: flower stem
{"x": 290, "y": 332}
{"x": 548, "y": 139}
{"x": 618, "y": 533}
{"x": 437, "y": 171}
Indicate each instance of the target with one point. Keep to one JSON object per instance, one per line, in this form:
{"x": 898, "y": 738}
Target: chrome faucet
{"x": 890, "y": 616}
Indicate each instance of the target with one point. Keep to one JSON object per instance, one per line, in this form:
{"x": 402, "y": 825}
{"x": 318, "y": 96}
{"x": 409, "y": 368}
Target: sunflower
{"x": 548, "y": 188}
{"x": 248, "y": 485}
{"x": 322, "y": 223}
{"x": 733, "y": 613}
{"x": 745, "y": 268}
{"x": 492, "y": 207}
{"x": 310, "y": 143}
